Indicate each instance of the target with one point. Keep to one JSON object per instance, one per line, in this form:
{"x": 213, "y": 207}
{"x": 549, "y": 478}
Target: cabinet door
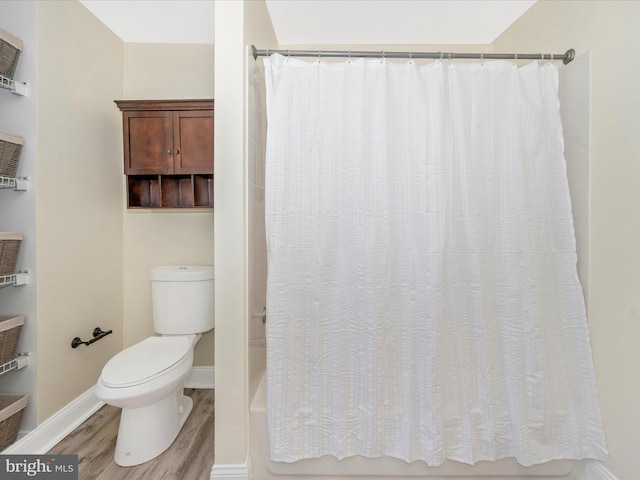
{"x": 193, "y": 140}
{"x": 148, "y": 143}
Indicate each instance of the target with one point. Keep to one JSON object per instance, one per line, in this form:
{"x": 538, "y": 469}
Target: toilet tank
{"x": 182, "y": 298}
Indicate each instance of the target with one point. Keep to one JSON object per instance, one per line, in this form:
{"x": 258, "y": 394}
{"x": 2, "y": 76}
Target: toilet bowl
{"x": 146, "y": 380}
{"x": 146, "y": 371}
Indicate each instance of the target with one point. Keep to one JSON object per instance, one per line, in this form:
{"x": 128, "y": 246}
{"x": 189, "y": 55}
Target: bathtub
{"x": 327, "y": 468}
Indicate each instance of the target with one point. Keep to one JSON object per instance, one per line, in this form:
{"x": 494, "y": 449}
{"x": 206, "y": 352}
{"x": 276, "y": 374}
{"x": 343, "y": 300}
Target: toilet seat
{"x": 145, "y": 361}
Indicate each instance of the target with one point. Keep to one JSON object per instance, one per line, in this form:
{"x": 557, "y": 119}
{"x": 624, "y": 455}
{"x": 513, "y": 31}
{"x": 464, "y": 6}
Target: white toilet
{"x": 146, "y": 380}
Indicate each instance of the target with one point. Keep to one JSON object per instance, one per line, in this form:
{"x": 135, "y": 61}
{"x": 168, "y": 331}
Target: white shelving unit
{"x": 18, "y": 117}
{"x": 15, "y": 280}
{"x": 17, "y": 363}
{"x": 16, "y": 87}
{"x": 19, "y": 184}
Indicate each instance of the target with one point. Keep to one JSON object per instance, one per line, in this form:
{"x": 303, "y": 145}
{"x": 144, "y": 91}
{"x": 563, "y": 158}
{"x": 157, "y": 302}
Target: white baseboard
{"x": 240, "y": 471}
{"x": 590, "y": 470}
{"x": 50, "y": 432}
{"x": 595, "y": 470}
{"x": 201, "y": 377}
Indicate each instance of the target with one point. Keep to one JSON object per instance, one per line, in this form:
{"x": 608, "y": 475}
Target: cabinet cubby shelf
{"x": 19, "y": 183}
{"x": 170, "y": 191}
{"x": 16, "y": 87}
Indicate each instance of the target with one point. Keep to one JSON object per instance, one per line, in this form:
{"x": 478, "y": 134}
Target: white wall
{"x": 609, "y": 31}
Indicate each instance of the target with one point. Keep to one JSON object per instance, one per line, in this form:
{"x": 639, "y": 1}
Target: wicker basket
{"x": 11, "y": 410}
{"x": 10, "y": 328}
{"x": 10, "y": 150}
{"x": 9, "y": 248}
{"x": 10, "y": 49}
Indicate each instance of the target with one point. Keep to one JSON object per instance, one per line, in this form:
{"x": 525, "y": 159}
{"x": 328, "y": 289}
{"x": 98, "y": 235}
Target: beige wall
{"x": 79, "y": 201}
{"x": 259, "y": 32}
{"x": 161, "y": 237}
{"x": 609, "y": 31}
{"x": 229, "y": 251}
{"x": 162, "y": 71}
{"x": 240, "y": 256}
{"x": 460, "y": 48}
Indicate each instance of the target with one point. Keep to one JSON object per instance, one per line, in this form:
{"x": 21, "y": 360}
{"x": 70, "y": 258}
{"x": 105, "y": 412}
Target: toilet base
{"x": 146, "y": 432}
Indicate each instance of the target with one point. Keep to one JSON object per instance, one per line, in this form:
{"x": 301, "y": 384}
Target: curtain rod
{"x": 565, "y": 57}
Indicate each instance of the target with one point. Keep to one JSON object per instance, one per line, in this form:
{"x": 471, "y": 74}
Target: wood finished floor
{"x": 190, "y": 457}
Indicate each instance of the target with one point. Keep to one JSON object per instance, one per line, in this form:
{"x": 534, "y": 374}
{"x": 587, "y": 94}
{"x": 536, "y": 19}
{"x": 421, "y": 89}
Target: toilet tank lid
{"x": 181, "y": 273}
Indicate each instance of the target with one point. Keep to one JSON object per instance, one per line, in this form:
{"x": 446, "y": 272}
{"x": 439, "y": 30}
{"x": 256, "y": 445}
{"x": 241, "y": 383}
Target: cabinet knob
{"x": 169, "y": 152}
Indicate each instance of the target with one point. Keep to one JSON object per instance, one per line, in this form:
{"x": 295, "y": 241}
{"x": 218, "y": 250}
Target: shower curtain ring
{"x": 541, "y": 56}
{"x": 441, "y": 55}
{"x": 552, "y": 57}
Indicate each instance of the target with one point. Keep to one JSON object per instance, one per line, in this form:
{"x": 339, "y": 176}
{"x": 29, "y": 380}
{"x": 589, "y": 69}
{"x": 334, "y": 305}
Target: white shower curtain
{"x": 422, "y": 290}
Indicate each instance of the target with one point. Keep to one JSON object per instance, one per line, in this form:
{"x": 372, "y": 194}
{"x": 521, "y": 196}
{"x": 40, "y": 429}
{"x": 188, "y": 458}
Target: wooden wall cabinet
{"x": 168, "y": 152}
